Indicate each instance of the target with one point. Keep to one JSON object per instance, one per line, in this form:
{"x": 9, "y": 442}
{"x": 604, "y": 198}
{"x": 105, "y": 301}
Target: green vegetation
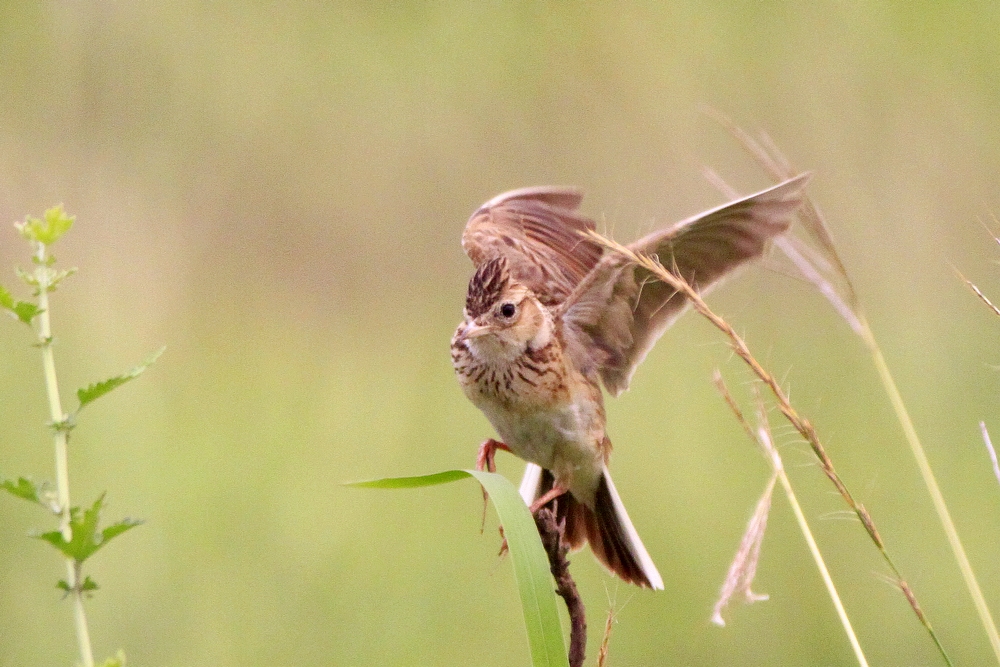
{"x": 78, "y": 537}
{"x": 276, "y": 191}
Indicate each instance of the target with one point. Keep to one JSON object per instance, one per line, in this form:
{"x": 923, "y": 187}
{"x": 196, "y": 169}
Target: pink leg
{"x": 484, "y": 461}
{"x": 544, "y": 499}
{"x": 487, "y": 452}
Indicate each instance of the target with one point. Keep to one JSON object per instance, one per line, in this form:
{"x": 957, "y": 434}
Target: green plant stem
{"x": 818, "y": 557}
{"x": 61, "y": 438}
{"x": 933, "y": 489}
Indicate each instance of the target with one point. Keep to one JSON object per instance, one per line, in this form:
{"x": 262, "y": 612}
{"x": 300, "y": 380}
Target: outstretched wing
{"x": 618, "y": 313}
{"x": 538, "y": 231}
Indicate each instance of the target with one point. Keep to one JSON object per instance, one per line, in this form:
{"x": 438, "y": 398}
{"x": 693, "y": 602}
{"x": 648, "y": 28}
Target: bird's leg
{"x": 544, "y": 499}
{"x": 484, "y": 461}
{"x": 487, "y": 451}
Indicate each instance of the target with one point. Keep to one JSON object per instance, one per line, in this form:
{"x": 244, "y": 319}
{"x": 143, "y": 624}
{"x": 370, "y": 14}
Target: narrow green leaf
{"x": 86, "y": 538}
{"x": 413, "y": 482}
{"x": 97, "y": 389}
{"x": 531, "y": 565}
{"x": 22, "y": 310}
{"x": 22, "y": 488}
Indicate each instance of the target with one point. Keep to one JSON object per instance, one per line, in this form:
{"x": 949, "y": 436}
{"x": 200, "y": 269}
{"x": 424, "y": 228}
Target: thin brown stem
{"x": 551, "y": 533}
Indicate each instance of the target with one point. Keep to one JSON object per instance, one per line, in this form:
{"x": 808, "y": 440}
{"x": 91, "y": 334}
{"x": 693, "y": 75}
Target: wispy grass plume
{"x": 744, "y": 567}
{"x": 801, "y": 424}
{"x": 830, "y": 277}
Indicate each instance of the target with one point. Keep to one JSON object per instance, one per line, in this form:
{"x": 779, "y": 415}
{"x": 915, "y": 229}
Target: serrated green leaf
{"x": 97, "y": 389}
{"x": 87, "y": 586}
{"x": 23, "y": 488}
{"x": 47, "y": 230}
{"x": 25, "y": 311}
{"x": 22, "y": 310}
{"x": 86, "y": 538}
{"x": 531, "y": 565}
{"x": 116, "y": 529}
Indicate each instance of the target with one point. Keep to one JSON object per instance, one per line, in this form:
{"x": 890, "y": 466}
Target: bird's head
{"x": 503, "y": 317}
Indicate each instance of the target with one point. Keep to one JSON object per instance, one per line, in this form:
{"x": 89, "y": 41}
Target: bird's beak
{"x": 476, "y": 330}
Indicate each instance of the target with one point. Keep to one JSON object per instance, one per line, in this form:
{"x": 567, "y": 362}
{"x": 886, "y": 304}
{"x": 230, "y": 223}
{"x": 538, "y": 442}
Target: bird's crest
{"x": 486, "y": 286}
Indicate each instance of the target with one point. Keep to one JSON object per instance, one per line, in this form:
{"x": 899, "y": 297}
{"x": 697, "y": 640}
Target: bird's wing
{"x": 538, "y": 231}
{"x": 619, "y": 311}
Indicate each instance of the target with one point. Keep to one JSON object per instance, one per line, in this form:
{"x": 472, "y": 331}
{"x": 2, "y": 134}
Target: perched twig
{"x": 551, "y": 533}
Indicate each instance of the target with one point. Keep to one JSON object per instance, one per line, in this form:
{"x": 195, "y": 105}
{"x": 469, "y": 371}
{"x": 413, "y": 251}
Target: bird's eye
{"x": 508, "y": 310}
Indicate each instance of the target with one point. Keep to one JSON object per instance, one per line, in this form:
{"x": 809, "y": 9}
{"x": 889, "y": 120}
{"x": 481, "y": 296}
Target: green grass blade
{"x": 531, "y": 565}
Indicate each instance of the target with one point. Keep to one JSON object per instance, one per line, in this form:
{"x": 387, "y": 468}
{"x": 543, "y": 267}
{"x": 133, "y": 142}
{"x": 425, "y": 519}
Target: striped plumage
{"x": 550, "y": 317}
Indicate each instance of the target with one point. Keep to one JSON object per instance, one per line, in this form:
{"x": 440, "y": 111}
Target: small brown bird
{"x": 550, "y": 316}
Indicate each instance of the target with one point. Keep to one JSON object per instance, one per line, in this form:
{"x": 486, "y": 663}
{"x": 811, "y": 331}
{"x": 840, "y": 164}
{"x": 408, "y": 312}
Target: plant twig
{"x": 551, "y": 533}
{"x": 61, "y": 426}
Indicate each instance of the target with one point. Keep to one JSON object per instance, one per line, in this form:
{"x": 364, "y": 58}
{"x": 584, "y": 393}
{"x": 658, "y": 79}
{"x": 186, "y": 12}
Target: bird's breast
{"x": 540, "y": 407}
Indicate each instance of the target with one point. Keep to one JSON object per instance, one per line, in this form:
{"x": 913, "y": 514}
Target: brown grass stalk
{"x": 978, "y": 292}
{"x": 800, "y": 423}
{"x": 835, "y": 283}
{"x": 602, "y": 653}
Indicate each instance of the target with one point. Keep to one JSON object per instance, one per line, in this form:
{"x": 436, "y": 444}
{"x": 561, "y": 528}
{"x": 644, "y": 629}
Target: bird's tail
{"x": 606, "y": 527}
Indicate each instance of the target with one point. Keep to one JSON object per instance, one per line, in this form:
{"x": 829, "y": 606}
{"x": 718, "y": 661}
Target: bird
{"x": 551, "y": 316}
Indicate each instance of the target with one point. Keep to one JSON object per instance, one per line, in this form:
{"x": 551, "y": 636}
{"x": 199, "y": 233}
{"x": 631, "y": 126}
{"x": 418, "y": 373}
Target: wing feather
{"x": 613, "y": 312}
{"x": 619, "y": 312}
{"x": 538, "y": 231}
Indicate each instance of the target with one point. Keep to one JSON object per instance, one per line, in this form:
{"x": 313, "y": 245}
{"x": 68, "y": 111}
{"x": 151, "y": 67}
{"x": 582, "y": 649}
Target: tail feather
{"x": 606, "y": 527}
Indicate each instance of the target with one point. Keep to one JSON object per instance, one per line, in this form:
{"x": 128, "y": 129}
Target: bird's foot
{"x": 548, "y": 496}
{"x": 484, "y": 461}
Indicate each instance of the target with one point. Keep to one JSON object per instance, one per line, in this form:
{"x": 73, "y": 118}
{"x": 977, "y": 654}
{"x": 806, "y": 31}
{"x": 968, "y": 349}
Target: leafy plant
{"x": 78, "y": 536}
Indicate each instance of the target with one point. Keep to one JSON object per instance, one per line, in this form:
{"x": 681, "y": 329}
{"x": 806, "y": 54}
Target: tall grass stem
{"x": 982, "y": 609}
{"x": 818, "y": 557}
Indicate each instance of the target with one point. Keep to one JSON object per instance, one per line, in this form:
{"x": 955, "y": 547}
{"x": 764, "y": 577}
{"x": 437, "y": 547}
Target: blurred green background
{"x": 276, "y": 191}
